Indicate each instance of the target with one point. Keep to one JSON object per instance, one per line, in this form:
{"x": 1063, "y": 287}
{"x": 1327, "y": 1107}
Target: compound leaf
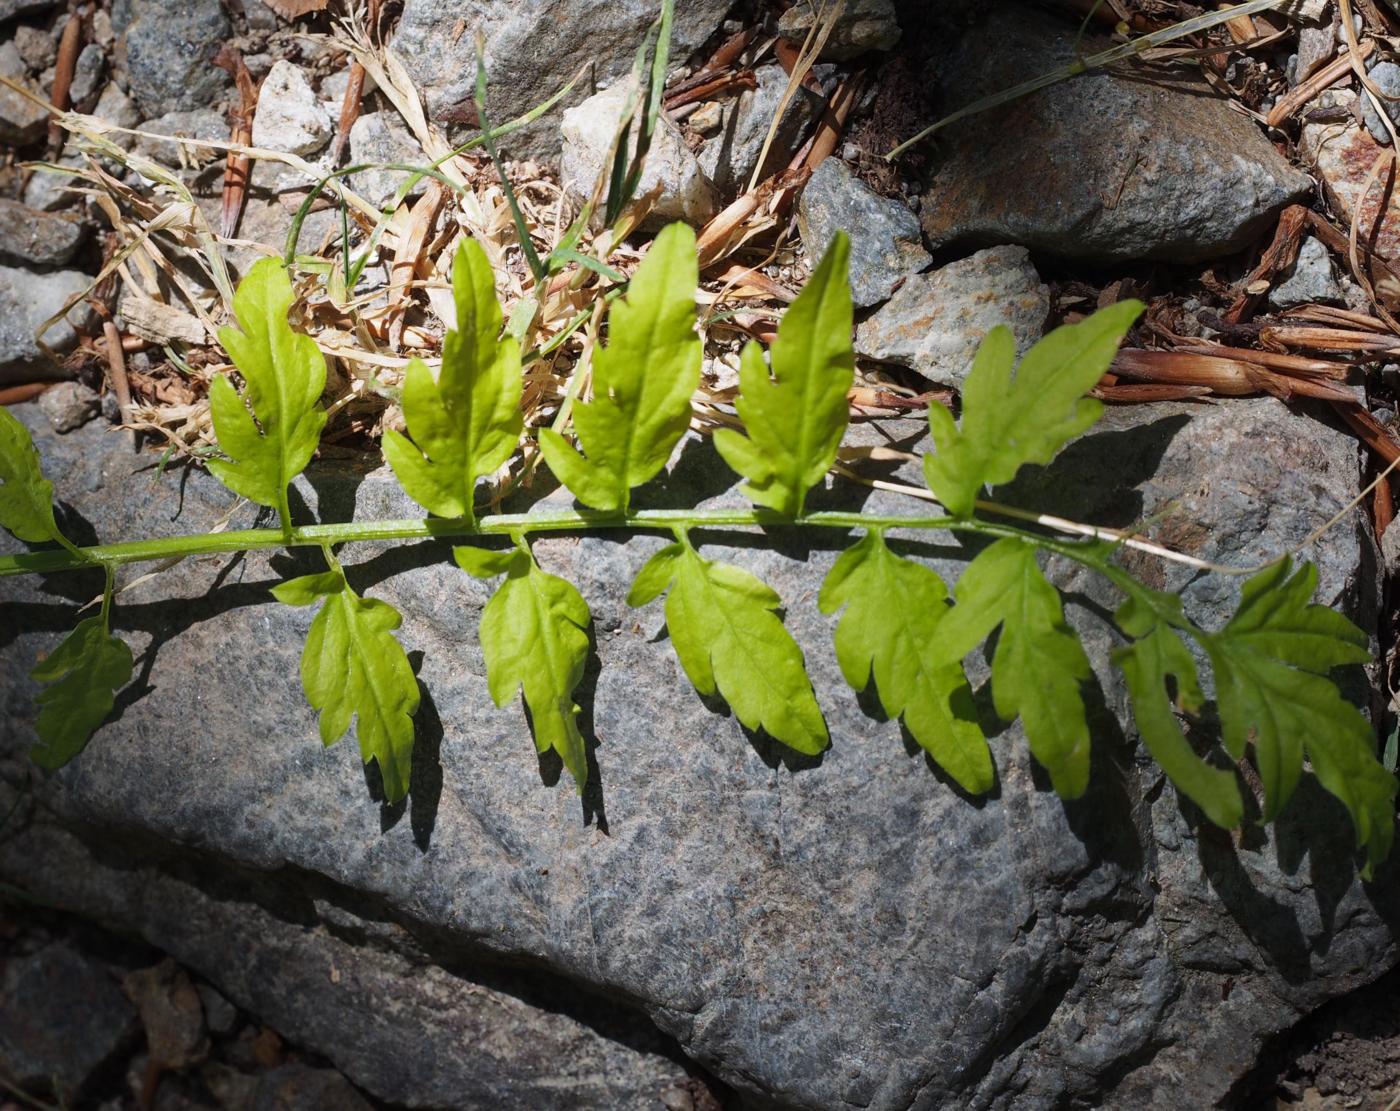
{"x": 1008, "y": 421}
{"x": 1156, "y": 654}
{"x": 26, "y": 496}
{"x": 534, "y": 636}
{"x": 85, "y": 671}
{"x": 729, "y": 639}
{"x": 284, "y": 375}
{"x": 353, "y": 667}
{"x": 1039, "y": 662}
{"x": 1271, "y": 661}
{"x": 889, "y": 629}
{"x": 642, "y": 381}
{"x": 468, "y": 422}
{"x": 795, "y": 419}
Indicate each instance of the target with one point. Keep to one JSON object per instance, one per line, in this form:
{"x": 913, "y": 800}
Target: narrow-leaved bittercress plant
{"x": 899, "y": 627}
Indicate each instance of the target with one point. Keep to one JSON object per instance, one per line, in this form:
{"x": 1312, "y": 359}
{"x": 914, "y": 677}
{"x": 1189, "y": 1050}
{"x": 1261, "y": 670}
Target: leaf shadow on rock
{"x": 1096, "y": 478}
{"x": 425, "y": 771}
{"x": 551, "y": 766}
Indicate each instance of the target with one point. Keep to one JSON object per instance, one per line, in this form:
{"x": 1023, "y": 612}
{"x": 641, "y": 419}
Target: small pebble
{"x": 69, "y": 405}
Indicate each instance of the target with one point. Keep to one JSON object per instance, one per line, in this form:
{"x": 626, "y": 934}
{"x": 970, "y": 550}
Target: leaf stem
{"x": 501, "y": 524}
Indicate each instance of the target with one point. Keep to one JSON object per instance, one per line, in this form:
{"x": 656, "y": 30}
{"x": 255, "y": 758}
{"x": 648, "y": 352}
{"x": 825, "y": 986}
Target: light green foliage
{"x": 534, "y": 635}
{"x": 795, "y": 420}
{"x": 1008, "y": 422}
{"x": 891, "y": 629}
{"x": 284, "y": 375}
{"x": 729, "y": 639}
{"x": 84, "y": 672}
{"x": 26, "y": 496}
{"x": 1270, "y": 662}
{"x": 1038, "y": 664}
{"x": 1156, "y": 655}
{"x": 642, "y": 381}
{"x": 353, "y": 667}
{"x": 467, "y": 423}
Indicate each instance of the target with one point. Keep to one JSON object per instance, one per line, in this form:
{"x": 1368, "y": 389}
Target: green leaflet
{"x": 534, "y": 635}
{"x": 26, "y": 496}
{"x": 642, "y": 381}
{"x": 1039, "y": 662}
{"x": 468, "y": 422}
{"x": 891, "y": 628}
{"x": 85, "y": 671}
{"x": 728, "y": 638}
{"x": 1156, "y": 653}
{"x": 1271, "y": 661}
{"x": 354, "y": 667}
{"x": 285, "y": 374}
{"x": 1008, "y": 422}
{"x": 795, "y": 420}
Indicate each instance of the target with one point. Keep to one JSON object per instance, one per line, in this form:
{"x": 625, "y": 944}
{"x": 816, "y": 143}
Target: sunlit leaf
{"x": 730, "y": 640}
{"x": 354, "y": 668}
{"x": 890, "y": 631}
{"x": 468, "y": 422}
{"x": 794, "y": 420}
{"x": 534, "y": 637}
{"x": 642, "y": 381}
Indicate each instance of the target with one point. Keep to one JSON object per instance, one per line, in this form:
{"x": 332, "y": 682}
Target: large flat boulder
{"x": 1112, "y": 166}
{"x": 841, "y": 932}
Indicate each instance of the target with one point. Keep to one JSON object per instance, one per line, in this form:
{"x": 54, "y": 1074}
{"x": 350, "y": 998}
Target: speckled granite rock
{"x": 936, "y": 321}
{"x": 533, "y": 48}
{"x": 886, "y": 247}
{"x": 839, "y": 933}
{"x": 1104, "y": 167}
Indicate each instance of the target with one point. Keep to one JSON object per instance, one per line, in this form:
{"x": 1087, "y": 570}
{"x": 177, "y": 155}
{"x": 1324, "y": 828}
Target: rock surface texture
{"x": 1101, "y": 167}
{"x": 728, "y": 899}
{"x": 936, "y": 321}
{"x": 28, "y": 299}
{"x": 533, "y": 48}
{"x": 886, "y": 246}
{"x": 169, "y": 50}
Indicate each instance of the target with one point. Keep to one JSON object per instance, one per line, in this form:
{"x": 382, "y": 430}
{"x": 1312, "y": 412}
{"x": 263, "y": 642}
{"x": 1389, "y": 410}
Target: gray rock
{"x": 1104, "y": 167}
{"x": 116, "y": 107}
{"x": 1386, "y": 77}
{"x": 199, "y": 123}
{"x": 1310, "y": 281}
{"x": 48, "y": 191}
{"x": 69, "y": 405}
{"x": 62, "y": 1020}
{"x": 382, "y": 137}
{"x": 935, "y": 322}
{"x": 729, "y": 157}
{"x": 1315, "y": 50}
{"x": 169, "y": 46}
{"x": 37, "y": 238}
{"x": 862, "y": 26}
{"x": 848, "y": 934}
{"x": 87, "y": 76}
{"x": 220, "y": 1016}
{"x": 299, "y": 1086}
{"x": 289, "y": 116}
{"x": 886, "y": 246}
{"x": 588, "y": 132}
{"x": 533, "y": 48}
{"x": 11, "y": 8}
{"x": 21, "y": 120}
{"x": 28, "y": 299}
{"x": 395, "y": 1021}
{"x": 36, "y": 48}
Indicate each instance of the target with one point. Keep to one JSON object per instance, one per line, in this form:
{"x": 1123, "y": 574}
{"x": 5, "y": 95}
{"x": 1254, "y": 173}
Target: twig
{"x": 69, "y": 46}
